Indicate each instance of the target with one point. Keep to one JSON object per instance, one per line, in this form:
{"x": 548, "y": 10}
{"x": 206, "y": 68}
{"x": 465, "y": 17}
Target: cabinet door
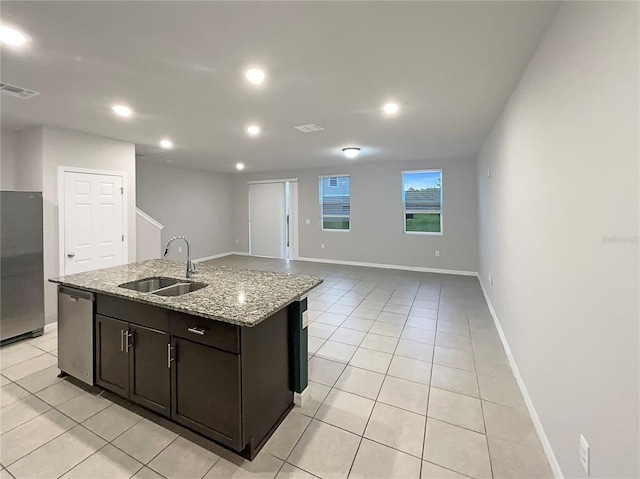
{"x": 206, "y": 391}
{"x": 150, "y": 373}
{"x": 112, "y": 360}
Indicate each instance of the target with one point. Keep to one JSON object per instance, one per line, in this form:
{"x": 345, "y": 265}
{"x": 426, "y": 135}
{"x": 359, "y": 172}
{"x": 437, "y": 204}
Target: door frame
{"x": 293, "y": 215}
{"x": 61, "y": 210}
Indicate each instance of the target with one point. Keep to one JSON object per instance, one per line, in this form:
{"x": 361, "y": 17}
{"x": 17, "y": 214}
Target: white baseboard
{"x": 207, "y": 258}
{"x": 421, "y": 269}
{"x": 544, "y": 440}
{"x": 300, "y": 398}
{"x": 51, "y": 327}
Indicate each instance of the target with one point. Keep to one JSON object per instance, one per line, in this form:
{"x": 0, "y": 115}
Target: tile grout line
{"x": 362, "y": 436}
{"x": 426, "y": 414}
{"x": 484, "y": 423}
{"x": 52, "y": 439}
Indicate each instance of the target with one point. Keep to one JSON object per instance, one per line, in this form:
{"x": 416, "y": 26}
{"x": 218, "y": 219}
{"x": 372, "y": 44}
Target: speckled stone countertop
{"x": 233, "y": 295}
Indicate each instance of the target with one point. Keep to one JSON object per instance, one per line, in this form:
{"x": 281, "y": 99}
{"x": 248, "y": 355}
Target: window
{"x": 422, "y": 201}
{"x": 335, "y": 203}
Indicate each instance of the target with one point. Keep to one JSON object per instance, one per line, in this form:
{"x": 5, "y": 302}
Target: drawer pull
{"x": 194, "y": 330}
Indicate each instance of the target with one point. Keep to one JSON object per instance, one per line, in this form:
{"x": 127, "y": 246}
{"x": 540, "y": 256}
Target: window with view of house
{"x": 335, "y": 203}
{"x": 422, "y": 201}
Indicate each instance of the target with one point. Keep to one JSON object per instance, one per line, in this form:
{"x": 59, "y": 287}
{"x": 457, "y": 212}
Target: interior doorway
{"x": 273, "y": 218}
{"x": 92, "y": 219}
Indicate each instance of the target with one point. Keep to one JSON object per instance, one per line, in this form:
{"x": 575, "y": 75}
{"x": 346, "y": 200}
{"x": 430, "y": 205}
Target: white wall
{"x": 189, "y": 202}
{"x": 29, "y": 159}
{"x": 148, "y": 237}
{"x": 71, "y": 148}
{"x": 376, "y": 234}
{"x": 564, "y": 162}
{"x": 8, "y": 159}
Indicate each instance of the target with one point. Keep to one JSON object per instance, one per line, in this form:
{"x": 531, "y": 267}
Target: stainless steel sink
{"x": 180, "y": 289}
{"x": 147, "y": 285}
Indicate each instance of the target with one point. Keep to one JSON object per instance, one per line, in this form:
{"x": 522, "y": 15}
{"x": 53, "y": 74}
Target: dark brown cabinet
{"x": 226, "y": 382}
{"x": 132, "y": 361}
{"x": 112, "y": 362}
{"x": 206, "y": 391}
{"x": 149, "y": 369}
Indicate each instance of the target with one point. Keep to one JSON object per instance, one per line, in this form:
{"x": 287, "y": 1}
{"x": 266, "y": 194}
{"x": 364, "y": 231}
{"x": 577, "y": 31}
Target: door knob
{"x": 71, "y": 255}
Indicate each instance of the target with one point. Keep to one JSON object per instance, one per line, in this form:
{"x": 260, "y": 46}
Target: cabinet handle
{"x": 195, "y": 330}
{"x": 169, "y": 358}
{"x": 127, "y": 344}
{"x": 121, "y": 340}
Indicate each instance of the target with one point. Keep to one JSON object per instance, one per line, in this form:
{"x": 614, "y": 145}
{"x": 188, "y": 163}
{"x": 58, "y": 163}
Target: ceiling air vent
{"x": 17, "y": 91}
{"x": 309, "y": 128}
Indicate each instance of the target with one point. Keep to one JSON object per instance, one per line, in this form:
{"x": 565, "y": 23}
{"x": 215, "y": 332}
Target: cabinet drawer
{"x": 213, "y": 333}
{"x": 132, "y": 312}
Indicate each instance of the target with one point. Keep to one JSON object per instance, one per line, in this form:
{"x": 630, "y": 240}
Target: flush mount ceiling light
{"x": 351, "y": 152}
{"x": 255, "y": 76}
{"x": 166, "y": 144}
{"x": 391, "y": 108}
{"x": 253, "y": 130}
{"x": 122, "y": 110}
{"x": 239, "y": 166}
{"x": 10, "y": 36}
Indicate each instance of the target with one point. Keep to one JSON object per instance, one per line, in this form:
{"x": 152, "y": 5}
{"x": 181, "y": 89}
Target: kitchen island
{"x": 222, "y": 353}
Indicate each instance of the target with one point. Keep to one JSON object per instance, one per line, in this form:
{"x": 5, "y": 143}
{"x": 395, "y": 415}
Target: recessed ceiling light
{"x": 391, "y": 108}
{"x": 255, "y": 76}
{"x": 253, "y": 129}
{"x": 351, "y": 152}
{"x": 12, "y": 37}
{"x": 239, "y": 166}
{"x": 122, "y": 110}
{"x": 166, "y": 144}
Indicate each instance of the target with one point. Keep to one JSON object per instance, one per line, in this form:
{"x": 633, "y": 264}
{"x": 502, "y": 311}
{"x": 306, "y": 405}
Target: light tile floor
{"x": 408, "y": 379}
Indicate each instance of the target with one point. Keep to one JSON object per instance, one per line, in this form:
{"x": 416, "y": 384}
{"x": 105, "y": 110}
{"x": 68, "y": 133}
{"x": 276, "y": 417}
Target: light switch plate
{"x": 307, "y": 221}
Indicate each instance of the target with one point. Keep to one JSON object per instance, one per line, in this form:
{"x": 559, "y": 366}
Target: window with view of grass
{"x": 422, "y": 201}
{"x": 335, "y": 203}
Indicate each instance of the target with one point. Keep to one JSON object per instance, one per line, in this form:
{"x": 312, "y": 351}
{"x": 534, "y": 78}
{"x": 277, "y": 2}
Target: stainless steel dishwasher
{"x": 75, "y": 333}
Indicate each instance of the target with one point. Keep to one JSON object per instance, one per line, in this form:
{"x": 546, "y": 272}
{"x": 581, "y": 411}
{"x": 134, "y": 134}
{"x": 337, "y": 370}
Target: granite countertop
{"x": 233, "y": 295}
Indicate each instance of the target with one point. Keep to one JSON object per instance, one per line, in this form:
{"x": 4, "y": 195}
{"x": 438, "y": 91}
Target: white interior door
{"x": 93, "y": 222}
{"x": 267, "y": 220}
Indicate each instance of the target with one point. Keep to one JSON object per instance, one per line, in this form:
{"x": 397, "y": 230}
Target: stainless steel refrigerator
{"x": 21, "y": 265}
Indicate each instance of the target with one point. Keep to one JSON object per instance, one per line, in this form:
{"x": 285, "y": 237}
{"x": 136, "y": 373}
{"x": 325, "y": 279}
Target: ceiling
{"x": 450, "y": 65}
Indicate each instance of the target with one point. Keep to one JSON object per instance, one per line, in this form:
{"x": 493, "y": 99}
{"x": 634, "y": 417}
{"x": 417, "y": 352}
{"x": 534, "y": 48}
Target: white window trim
{"x": 322, "y": 228}
{"x": 440, "y": 211}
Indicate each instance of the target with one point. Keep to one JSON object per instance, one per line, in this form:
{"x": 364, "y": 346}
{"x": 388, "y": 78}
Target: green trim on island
{"x": 299, "y": 370}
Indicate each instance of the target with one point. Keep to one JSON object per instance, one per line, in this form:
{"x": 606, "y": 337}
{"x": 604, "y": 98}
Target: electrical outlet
{"x": 179, "y": 249}
{"x": 321, "y": 245}
{"x": 307, "y": 221}
{"x": 490, "y": 280}
{"x": 584, "y": 454}
{"x": 237, "y": 241}
{"x": 437, "y": 253}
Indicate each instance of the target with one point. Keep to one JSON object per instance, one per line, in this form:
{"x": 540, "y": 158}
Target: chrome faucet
{"x": 191, "y": 268}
